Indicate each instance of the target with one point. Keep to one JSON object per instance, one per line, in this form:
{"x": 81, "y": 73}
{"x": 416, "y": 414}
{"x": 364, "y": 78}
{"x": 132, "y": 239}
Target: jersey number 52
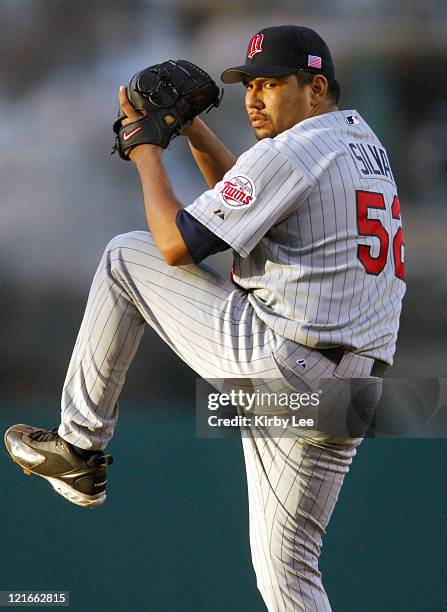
{"x": 374, "y": 228}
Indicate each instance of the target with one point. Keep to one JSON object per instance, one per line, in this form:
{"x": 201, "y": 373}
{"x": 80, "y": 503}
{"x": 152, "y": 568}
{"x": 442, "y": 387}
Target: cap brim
{"x": 239, "y": 73}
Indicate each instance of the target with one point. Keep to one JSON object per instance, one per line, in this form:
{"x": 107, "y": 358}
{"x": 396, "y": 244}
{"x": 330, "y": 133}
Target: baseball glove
{"x": 171, "y": 94}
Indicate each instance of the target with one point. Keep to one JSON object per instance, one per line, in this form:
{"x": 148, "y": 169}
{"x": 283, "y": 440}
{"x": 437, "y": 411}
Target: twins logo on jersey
{"x": 238, "y": 192}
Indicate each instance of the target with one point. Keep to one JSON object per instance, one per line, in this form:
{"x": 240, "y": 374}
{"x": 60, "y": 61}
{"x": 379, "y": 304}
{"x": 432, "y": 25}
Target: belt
{"x": 335, "y": 355}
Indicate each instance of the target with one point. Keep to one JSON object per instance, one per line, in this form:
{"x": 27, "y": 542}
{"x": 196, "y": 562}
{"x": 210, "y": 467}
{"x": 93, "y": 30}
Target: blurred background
{"x": 63, "y": 197}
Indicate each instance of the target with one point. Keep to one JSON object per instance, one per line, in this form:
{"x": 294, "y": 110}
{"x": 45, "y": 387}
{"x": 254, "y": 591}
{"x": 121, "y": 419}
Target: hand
{"x": 127, "y": 108}
{"x": 132, "y": 114}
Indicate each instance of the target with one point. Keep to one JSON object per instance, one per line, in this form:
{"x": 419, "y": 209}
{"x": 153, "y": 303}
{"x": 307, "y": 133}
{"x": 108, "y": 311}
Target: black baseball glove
{"x": 171, "y": 94}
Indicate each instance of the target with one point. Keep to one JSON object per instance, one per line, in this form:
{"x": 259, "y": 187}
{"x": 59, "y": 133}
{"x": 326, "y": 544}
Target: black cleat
{"x": 80, "y": 480}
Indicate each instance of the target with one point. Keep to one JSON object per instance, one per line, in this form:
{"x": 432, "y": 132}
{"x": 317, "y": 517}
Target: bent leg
{"x": 203, "y": 317}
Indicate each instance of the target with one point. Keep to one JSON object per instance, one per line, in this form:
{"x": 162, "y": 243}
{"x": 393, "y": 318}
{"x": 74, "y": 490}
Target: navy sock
{"x": 84, "y": 453}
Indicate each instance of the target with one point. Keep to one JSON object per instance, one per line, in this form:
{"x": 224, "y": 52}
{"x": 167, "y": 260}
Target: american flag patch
{"x": 314, "y": 61}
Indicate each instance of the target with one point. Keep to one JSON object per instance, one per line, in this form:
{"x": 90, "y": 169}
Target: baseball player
{"x": 312, "y": 215}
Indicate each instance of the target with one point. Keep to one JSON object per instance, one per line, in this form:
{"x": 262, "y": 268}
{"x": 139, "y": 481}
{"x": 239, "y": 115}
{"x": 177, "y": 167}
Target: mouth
{"x": 257, "y": 119}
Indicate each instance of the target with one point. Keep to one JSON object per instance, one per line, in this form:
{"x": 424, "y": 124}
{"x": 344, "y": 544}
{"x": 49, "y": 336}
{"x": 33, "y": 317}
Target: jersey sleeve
{"x": 262, "y": 188}
{"x": 200, "y": 241}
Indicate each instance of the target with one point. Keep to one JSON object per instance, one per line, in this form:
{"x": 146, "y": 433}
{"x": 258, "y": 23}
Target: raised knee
{"x": 129, "y": 240}
{"x": 126, "y": 248}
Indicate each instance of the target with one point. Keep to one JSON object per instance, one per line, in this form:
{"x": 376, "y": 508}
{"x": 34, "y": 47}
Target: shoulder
{"x": 262, "y": 148}
{"x": 262, "y": 154}
{"x": 327, "y": 127}
{"x": 315, "y": 143}
{"x": 323, "y": 128}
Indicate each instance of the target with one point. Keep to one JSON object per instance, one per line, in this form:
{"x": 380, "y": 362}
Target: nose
{"x": 253, "y": 99}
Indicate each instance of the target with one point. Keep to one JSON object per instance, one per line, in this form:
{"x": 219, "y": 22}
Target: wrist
{"x": 144, "y": 153}
{"x": 194, "y": 129}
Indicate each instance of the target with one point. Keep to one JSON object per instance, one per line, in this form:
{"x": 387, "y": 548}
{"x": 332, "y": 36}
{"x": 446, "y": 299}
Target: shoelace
{"x": 43, "y": 435}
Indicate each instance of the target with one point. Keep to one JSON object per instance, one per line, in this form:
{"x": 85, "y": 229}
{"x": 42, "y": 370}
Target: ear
{"x": 319, "y": 87}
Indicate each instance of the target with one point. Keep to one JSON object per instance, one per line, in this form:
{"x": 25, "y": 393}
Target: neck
{"x": 324, "y": 107}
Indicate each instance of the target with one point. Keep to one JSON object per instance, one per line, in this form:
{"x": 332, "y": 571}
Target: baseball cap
{"x": 282, "y": 50}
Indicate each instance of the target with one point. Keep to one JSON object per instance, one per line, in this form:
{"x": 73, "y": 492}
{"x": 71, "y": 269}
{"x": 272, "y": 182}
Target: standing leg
{"x": 293, "y": 485}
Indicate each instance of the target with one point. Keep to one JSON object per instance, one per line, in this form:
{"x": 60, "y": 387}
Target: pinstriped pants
{"x": 293, "y": 481}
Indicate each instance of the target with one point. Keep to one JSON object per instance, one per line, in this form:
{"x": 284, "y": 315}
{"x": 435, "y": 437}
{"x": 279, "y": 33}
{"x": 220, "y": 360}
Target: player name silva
{"x": 371, "y": 160}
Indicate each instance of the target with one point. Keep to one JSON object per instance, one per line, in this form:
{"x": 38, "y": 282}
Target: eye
{"x": 270, "y": 84}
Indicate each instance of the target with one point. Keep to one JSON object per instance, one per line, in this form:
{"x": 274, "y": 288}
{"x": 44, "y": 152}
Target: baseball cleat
{"x": 81, "y": 481}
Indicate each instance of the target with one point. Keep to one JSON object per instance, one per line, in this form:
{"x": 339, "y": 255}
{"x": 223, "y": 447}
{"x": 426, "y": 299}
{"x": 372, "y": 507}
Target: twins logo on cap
{"x": 255, "y": 45}
{"x": 238, "y": 192}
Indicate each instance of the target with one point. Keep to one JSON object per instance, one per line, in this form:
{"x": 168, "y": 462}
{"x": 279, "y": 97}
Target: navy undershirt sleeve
{"x": 201, "y": 241}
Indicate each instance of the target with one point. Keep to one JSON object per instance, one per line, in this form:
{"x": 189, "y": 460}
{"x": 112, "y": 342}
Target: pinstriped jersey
{"x": 313, "y": 218}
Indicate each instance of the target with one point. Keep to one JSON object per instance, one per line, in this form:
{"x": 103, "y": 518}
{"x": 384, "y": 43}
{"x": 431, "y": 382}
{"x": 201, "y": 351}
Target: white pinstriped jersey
{"x": 314, "y": 221}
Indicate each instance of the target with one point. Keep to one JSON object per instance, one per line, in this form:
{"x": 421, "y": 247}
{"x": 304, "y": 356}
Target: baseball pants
{"x": 293, "y": 481}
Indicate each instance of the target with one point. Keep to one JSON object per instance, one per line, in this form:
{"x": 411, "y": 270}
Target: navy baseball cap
{"x": 282, "y": 50}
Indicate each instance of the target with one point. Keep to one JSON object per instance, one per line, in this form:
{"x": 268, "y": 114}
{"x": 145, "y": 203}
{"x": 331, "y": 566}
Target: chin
{"x": 265, "y": 133}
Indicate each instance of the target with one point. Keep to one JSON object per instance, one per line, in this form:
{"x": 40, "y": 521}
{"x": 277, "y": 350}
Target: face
{"x": 276, "y": 104}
